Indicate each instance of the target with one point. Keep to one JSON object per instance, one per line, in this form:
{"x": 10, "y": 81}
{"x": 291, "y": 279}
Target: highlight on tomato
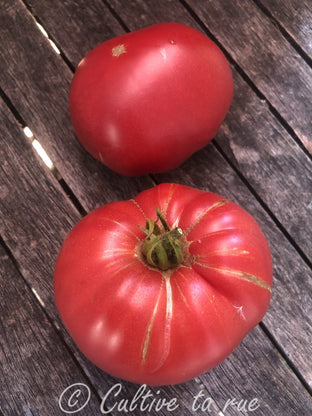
{"x": 145, "y": 101}
{"x": 163, "y": 287}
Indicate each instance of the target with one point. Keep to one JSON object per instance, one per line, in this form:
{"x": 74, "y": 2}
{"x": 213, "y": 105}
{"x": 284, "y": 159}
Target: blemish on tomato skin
{"x": 101, "y": 157}
{"x": 118, "y": 50}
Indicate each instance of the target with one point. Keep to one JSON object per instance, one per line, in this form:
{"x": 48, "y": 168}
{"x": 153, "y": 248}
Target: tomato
{"x": 145, "y": 101}
{"x": 159, "y": 296}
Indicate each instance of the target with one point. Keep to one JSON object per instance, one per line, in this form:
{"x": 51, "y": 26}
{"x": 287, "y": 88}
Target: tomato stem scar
{"x": 118, "y": 50}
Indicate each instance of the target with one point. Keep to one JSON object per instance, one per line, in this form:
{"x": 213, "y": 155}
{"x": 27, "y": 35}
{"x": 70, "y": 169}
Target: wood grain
{"x": 295, "y": 16}
{"x": 31, "y": 383}
{"x": 36, "y": 213}
{"x": 90, "y": 24}
{"x": 271, "y": 63}
{"x": 37, "y": 82}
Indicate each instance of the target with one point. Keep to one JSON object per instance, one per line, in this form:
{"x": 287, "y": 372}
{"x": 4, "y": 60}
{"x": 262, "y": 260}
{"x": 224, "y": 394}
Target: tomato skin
{"x": 145, "y": 101}
{"x": 158, "y": 327}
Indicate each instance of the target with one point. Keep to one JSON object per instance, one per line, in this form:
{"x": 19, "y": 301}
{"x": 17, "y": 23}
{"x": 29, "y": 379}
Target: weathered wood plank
{"x": 271, "y": 161}
{"x": 295, "y": 16}
{"x": 265, "y": 385}
{"x": 90, "y": 24}
{"x": 37, "y": 81}
{"x": 30, "y": 347}
{"x": 272, "y": 64}
{"x": 36, "y": 215}
{"x": 23, "y": 173}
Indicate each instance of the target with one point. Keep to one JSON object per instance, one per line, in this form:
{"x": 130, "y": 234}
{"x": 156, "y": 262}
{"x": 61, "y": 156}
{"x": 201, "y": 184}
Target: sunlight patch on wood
{"x": 42, "y": 153}
{"x": 39, "y": 149}
{"x": 45, "y": 34}
{"x": 38, "y": 297}
{"x": 42, "y": 30}
{"x": 28, "y": 132}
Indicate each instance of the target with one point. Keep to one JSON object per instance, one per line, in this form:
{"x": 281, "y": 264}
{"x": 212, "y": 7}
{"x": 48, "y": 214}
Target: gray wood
{"x": 272, "y": 399}
{"x": 30, "y": 347}
{"x": 295, "y": 16}
{"x": 271, "y": 161}
{"x": 37, "y": 81}
{"x": 81, "y": 27}
{"x": 259, "y": 48}
{"x": 36, "y": 215}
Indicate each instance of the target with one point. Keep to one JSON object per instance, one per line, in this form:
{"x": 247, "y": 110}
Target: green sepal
{"x": 162, "y": 248}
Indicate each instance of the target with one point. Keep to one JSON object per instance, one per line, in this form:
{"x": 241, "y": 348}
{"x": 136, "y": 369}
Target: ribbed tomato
{"x": 161, "y": 297}
{"x": 145, "y": 101}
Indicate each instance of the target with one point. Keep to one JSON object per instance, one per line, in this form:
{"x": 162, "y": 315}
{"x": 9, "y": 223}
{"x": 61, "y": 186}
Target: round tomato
{"x": 145, "y": 101}
{"x": 163, "y": 287}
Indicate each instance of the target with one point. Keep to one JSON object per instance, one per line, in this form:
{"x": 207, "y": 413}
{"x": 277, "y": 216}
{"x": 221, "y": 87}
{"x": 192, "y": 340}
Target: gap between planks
{"x": 248, "y": 80}
{"x": 36, "y": 145}
{"x": 284, "y": 32}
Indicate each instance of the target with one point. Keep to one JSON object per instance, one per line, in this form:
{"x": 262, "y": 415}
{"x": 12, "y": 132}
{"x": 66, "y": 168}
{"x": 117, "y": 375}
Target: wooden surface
{"x": 261, "y": 158}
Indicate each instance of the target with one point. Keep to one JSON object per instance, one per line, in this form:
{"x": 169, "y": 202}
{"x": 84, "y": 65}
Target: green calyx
{"x": 162, "y": 248}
